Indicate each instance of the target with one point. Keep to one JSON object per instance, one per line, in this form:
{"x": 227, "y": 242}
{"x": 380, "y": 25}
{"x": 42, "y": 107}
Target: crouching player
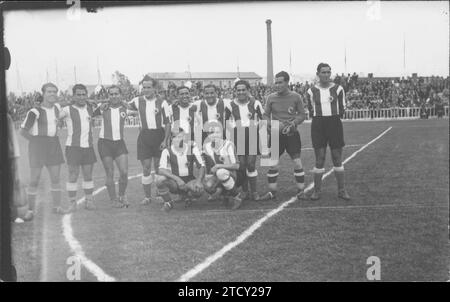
{"x": 176, "y": 169}
{"x": 111, "y": 145}
{"x": 221, "y": 166}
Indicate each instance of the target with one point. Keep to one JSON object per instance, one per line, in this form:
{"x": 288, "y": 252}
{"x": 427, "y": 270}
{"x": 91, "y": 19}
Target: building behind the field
{"x": 220, "y": 79}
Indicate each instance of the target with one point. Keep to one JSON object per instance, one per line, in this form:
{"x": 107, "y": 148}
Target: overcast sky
{"x": 215, "y": 37}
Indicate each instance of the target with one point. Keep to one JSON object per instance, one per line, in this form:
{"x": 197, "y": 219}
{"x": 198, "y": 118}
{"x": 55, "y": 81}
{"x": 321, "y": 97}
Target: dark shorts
{"x": 291, "y": 144}
{"x": 327, "y": 130}
{"x": 44, "y": 151}
{"x": 77, "y": 156}
{"x": 149, "y": 142}
{"x": 248, "y": 141}
{"x": 109, "y": 148}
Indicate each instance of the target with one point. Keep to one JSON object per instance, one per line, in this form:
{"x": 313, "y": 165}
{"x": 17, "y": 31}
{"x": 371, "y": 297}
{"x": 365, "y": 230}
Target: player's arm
{"x": 301, "y": 115}
{"x": 29, "y": 121}
{"x": 309, "y": 102}
{"x": 341, "y": 101}
{"x": 268, "y": 110}
{"x": 131, "y": 105}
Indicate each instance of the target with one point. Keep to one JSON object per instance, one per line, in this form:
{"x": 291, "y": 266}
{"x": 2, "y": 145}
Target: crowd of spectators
{"x": 361, "y": 93}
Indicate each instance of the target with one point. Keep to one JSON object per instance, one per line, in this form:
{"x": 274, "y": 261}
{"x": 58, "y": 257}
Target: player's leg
{"x": 165, "y": 186}
{"x": 108, "y": 165}
{"x": 272, "y": 176}
{"x": 72, "y": 185}
{"x": 243, "y": 172}
{"x": 146, "y": 180}
{"x": 192, "y": 192}
{"x": 32, "y": 190}
{"x": 293, "y": 148}
{"x": 211, "y": 186}
{"x": 88, "y": 186}
{"x": 319, "y": 142}
{"x": 252, "y": 175}
{"x": 336, "y": 145}
{"x": 55, "y": 189}
{"x": 19, "y": 204}
{"x": 228, "y": 181}
{"x": 122, "y": 164}
{"x": 106, "y": 151}
{"x": 318, "y": 172}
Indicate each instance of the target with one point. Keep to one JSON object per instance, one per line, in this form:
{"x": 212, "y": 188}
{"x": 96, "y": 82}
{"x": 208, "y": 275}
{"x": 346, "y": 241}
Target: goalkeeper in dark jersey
{"x": 285, "y": 110}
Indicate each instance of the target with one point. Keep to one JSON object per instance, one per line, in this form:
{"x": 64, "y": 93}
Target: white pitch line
{"x": 248, "y": 232}
{"x": 76, "y": 247}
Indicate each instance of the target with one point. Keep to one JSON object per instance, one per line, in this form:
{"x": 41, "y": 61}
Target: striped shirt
{"x": 244, "y": 113}
{"x": 181, "y": 162}
{"x": 152, "y": 113}
{"x": 212, "y": 113}
{"x": 224, "y": 155}
{"x": 326, "y": 101}
{"x": 42, "y": 121}
{"x": 79, "y": 125}
{"x": 113, "y": 121}
{"x": 184, "y": 116}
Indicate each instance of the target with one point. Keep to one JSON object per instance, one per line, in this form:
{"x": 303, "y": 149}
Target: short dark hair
{"x": 242, "y": 82}
{"x": 47, "y": 85}
{"x": 112, "y": 87}
{"x": 148, "y": 78}
{"x": 79, "y": 87}
{"x": 284, "y": 75}
{"x": 211, "y": 86}
{"x": 182, "y": 87}
{"x": 321, "y": 65}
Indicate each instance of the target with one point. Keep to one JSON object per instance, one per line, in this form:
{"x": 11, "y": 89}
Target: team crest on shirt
{"x": 249, "y": 115}
{"x": 222, "y": 159}
{"x": 123, "y": 114}
{"x": 291, "y": 110}
{"x": 217, "y": 116}
{"x": 189, "y": 119}
{"x": 330, "y": 99}
{"x": 156, "y": 111}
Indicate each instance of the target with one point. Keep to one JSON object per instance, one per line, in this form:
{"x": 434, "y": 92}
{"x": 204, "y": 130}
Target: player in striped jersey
{"x": 184, "y": 114}
{"x": 44, "y": 149}
{"x": 153, "y": 117}
{"x": 111, "y": 145}
{"x": 211, "y": 110}
{"x": 221, "y": 166}
{"x": 79, "y": 146}
{"x": 326, "y": 107}
{"x": 243, "y": 115}
{"x": 176, "y": 169}
{"x": 286, "y": 107}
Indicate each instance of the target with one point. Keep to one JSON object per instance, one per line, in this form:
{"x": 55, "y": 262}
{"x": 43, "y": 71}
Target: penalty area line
{"x": 76, "y": 247}
{"x": 256, "y": 225}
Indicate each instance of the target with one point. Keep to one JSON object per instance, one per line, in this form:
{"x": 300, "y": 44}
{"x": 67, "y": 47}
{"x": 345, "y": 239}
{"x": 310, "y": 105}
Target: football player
{"x": 176, "y": 169}
{"x": 111, "y": 145}
{"x": 242, "y": 116}
{"x": 40, "y": 128}
{"x": 286, "y": 107}
{"x": 79, "y": 146}
{"x": 222, "y": 167}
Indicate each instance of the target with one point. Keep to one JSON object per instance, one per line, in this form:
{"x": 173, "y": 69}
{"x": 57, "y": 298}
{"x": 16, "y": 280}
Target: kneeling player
{"x": 222, "y": 167}
{"x": 176, "y": 169}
